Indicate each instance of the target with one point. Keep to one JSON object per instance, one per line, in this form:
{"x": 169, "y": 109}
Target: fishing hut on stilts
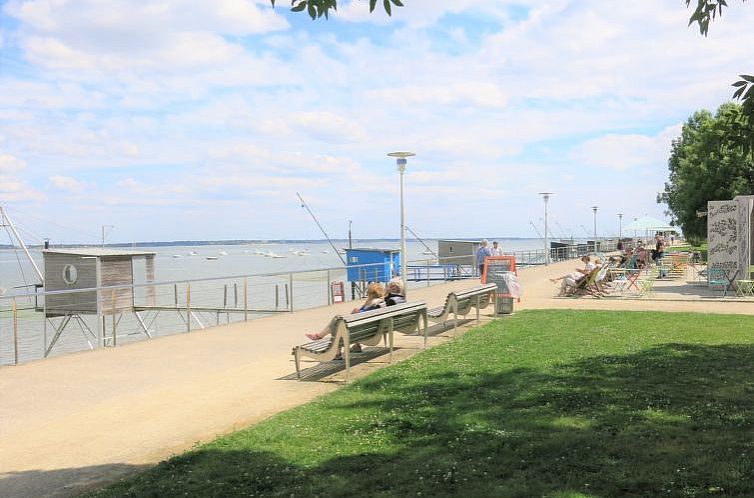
{"x": 94, "y": 282}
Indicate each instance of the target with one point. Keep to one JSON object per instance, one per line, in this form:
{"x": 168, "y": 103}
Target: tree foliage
{"x": 320, "y": 8}
{"x": 705, "y": 12}
{"x": 706, "y": 163}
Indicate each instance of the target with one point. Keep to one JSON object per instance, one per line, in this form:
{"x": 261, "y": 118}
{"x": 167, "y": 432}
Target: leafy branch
{"x": 320, "y": 8}
{"x": 709, "y": 10}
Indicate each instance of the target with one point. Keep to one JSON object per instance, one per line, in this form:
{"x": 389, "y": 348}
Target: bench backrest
{"x": 467, "y": 299}
{"x": 404, "y": 317}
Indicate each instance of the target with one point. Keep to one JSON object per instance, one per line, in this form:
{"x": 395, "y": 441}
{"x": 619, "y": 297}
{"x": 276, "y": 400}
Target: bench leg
{"x": 298, "y": 367}
{"x": 390, "y": 339}
{"x": 347, "y": 357}
{"x": 426, "y": 330}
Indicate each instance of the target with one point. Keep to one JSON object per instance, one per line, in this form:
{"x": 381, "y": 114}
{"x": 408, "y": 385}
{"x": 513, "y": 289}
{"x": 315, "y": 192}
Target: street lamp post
{"x": 594, "y": 210}
{"x": 620, "y": 226}
{"x": 400, "y": 160}
{"x": 546, "y": 197}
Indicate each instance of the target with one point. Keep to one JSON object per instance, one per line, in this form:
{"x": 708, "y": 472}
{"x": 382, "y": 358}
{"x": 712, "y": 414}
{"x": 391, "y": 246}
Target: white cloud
{"x": 10, "y": 164}
{"x": 480, "y": 94}
{"x": 328, "y": 126}
{"x": 622, "y": 152}
{"x": 67, "y": 183}
{"x": 117, "y": 35}
{"x": 13, "y": 188}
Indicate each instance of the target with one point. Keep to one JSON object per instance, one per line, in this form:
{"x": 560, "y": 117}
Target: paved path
{"x": 76, "y": 421}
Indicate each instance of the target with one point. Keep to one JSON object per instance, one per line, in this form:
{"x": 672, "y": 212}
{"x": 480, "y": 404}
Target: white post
{"x": 402, "y": 169}
{"x": 546, "y": 197}
{"x": 401, "y": 162}
{"x": 594, "y": 210}
{"x": 620, "y": 226}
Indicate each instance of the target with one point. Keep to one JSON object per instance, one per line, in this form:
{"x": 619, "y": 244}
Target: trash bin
{"x": 503, "y": 305}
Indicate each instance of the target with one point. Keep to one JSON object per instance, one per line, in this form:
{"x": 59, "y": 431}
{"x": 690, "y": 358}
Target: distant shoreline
{"x": 246, "y": 242}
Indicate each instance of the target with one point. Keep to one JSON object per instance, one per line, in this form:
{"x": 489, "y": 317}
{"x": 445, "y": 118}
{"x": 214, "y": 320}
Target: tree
{"x": 706, "y": 163}
{"x": 706, "y": 11}
{"x": 319, "y": 8}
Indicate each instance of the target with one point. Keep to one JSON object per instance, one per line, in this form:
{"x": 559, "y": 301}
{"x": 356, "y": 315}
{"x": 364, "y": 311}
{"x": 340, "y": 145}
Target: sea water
{"x": 191, "y": 263}
{"x": 215, "y": 275}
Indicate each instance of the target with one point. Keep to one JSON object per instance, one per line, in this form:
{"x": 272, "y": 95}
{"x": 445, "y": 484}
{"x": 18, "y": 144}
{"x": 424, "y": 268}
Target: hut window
{"x": 70, "y": 274}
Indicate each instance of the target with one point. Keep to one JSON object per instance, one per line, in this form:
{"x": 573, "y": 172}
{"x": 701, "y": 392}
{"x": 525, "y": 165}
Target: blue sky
{"x": 187, "y": 119}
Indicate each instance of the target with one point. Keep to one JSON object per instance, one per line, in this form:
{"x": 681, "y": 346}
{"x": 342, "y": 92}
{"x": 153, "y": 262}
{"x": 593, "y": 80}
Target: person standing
{"x": 482, "y": 253}
{"x": 659, "y": 251}
{"x": 496, "y": 249}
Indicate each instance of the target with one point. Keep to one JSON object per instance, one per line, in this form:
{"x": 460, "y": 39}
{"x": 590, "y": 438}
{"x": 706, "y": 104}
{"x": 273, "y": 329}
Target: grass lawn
{"x": 539, "y": 404}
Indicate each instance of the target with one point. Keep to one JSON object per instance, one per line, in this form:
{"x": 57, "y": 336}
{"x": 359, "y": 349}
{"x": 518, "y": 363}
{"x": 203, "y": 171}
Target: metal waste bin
{"x": 503, "y": 305}
{"x": 499, "y": 270}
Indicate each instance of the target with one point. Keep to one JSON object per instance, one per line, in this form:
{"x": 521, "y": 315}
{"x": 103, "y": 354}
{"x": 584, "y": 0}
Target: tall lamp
{"x": 546, "y": 197}
{"x": 400, "y": 160}
{"x": 620, "y": 226}
{"x": 594, "y": 210}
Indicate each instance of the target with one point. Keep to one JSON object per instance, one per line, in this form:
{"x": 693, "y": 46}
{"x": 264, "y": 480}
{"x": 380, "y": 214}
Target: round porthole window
{"x": 70, "y": 274}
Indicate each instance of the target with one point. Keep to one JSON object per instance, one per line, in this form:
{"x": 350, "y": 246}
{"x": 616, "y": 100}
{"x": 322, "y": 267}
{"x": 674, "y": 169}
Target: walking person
{"x": 482, "y": 253}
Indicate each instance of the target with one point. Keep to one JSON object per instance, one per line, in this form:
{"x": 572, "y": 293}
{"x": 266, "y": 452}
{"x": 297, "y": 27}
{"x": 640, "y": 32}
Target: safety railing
{"x": 35, "y": 325}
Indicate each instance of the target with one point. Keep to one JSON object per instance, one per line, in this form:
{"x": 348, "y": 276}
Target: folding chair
{"x": 717, "y": 277}
{"x": 745, "y": 286}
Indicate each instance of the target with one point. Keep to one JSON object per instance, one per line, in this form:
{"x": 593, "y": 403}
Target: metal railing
{"x": 35, "y": 325}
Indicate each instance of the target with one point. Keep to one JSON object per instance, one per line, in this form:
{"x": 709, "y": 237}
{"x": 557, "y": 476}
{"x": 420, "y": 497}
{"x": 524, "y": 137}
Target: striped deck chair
{"x": 587, "y": 285}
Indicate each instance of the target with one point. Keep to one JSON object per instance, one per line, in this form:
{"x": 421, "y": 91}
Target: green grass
{"x": 539, "y": 404}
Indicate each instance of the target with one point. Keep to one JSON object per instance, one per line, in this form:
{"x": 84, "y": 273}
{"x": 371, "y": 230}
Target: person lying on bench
{"x": 375, "y": 300}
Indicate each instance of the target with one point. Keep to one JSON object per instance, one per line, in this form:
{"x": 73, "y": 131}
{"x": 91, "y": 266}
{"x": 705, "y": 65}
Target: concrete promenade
{"x": 76, "y": 421}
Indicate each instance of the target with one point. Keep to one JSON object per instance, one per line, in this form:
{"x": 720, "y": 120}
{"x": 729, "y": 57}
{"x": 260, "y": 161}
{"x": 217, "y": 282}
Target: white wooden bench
{"x": 461, "y": 303}
{"x": 368, "y": 328}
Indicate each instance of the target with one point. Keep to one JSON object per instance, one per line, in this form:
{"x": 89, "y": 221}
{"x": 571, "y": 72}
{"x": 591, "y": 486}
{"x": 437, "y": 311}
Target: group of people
{"x": 486, "y": 251}
{"x": 377, "y": 297}
{"x": 640, "y": 258}
{"x": 632, "y": 259}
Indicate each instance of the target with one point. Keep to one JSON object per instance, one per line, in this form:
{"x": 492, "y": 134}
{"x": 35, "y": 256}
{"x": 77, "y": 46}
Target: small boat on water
{"x": 211, "y": 258}
{"x": 222, "y": 253}
{"x": 193, "y": 253}
{"x": 177, "y": 256}
{"x": 325, "y": 251}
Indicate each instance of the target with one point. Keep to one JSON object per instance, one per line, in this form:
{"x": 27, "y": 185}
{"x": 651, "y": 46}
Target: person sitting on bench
{"x": 375, "y": 300}
{"x": 395, "y": 294}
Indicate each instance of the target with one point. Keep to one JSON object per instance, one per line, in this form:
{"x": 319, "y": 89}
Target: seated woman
{"x": 571, "y": 279}
{"x": 375, "y": 293}
{"x": 395, "y": 294}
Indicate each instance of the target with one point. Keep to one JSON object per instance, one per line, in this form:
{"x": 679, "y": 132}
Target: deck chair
{"x": 587, "y": 285}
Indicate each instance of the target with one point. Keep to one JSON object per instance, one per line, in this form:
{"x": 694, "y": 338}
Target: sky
{"x": 194, "y": 120}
